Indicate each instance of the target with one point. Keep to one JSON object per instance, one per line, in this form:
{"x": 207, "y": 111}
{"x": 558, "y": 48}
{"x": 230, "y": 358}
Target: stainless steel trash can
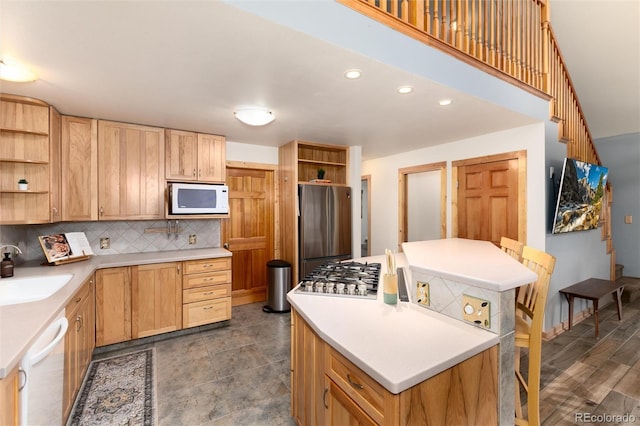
{"x": 278, "y": 285}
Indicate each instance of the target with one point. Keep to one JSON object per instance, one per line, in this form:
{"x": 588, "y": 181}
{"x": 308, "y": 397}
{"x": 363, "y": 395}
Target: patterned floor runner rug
{"x": 118, "y": 391}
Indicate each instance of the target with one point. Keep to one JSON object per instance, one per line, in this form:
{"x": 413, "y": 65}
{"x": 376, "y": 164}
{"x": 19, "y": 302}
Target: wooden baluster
{"x": 458, "y": 28}
{"x": 383, "y": 5}
{"x": 443, "y": 22}
{"x": 427, "y": 18}
{"x": 394, "y": 8}
{"x": 418, "y": 10}
{"x": 436, "y": 19}
{"x": 465, "y": 26}
{"x": 404, "y": 10}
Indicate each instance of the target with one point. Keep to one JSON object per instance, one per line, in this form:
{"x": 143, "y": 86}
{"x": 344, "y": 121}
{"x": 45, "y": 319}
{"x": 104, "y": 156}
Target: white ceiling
{"x": 189, "y": 65}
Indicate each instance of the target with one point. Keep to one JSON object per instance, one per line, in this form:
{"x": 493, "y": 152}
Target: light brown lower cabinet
{"x": 79, "y": 342}
{"x": 139, "y": 301}
{"x": 156, "y": 299}
{"x": 329, "y": 389}
{"x": 113, "y": 305}
{"x": 9, "y": 413}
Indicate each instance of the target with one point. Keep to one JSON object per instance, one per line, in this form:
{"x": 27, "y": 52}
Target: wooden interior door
{"x": 488, "y": 200}
{"x": 248, "y": 233}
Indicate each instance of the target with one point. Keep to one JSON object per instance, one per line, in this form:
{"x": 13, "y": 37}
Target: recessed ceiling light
{"x": 12, "y": 71}
{"x": 405, "y": 89}
{"x": 352, "y": 74}
{"x": 445, "y": 102}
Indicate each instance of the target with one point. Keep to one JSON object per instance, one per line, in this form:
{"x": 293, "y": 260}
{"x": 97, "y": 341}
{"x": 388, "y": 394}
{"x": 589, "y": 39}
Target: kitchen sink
{"x": 30, "y": 289}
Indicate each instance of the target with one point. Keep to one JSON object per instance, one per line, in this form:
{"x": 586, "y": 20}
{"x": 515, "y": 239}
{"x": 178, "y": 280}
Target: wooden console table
{"x": 593, "y": 289}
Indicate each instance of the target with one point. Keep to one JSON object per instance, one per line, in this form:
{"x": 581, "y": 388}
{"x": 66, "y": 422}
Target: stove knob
{"x": 340, "y": 288}
{"x": 351, "y": 288}
{"x": 319, "y": 287}
{"x": 308, "y": 286}
{"x": 362, "y": 289}
{"x": 329, "y": 288}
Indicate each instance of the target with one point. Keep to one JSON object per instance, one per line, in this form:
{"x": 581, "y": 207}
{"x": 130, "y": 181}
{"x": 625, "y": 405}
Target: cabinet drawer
{"x": 206, "y": 265}
{"x": 202, "y": 280}
{"x": 206, "y": 312}
{"x": 78, "y": 299}
{"x": 206, "y": 293}
{"x": 365, "y": 391}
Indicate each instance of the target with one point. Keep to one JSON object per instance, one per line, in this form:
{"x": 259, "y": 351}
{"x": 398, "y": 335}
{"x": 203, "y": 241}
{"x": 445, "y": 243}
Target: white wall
{"x": 251, "y": 153}
{"x": 423, "y": 206}
{"x": 621, "y": 154}
{"x": 384, "y": 180}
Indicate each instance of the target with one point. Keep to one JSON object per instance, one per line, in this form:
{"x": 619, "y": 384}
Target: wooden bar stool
{"x": 530, "y": 305}
{"x": 512, "y": 247}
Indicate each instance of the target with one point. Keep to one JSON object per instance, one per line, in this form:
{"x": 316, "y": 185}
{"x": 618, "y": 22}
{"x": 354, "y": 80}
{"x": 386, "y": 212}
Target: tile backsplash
{"x": 124, "y": 237}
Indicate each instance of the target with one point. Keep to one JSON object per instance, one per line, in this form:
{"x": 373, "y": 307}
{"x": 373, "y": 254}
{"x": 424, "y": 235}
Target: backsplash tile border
{"x": 125, "y": 236}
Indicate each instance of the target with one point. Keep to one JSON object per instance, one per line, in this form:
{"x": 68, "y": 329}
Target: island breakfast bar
{"x": 393, "y": 358}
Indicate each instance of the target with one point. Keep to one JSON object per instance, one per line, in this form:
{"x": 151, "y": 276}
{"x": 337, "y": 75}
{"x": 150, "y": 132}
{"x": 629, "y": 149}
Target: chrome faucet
{"x": 10, "y": 245}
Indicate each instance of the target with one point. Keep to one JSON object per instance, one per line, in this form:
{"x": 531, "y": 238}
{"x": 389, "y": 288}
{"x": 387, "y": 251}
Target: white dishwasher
{"x": 41, "y": 384}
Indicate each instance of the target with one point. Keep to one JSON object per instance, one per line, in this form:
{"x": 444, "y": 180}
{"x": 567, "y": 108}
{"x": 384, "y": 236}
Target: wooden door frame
{"x": 521, "y": 156}
{"x": 368, "y": 179}
{"x": 402, "y": 197}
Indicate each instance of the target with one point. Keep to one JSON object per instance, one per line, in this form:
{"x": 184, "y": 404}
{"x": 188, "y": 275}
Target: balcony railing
{"x": 511, "y": 39}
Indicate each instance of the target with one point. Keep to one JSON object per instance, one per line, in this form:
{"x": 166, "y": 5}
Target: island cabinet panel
{"x": 113, "y": 305}
{"x": 79, "y": 342}
{"x": 79, "y": 169}
{"x": 327, "y": 388}
{"x": 131, "y": 169}
{"x": 307, "y": 373}
{"x": 156, "y": 299}
{"x": 466, "y": 393}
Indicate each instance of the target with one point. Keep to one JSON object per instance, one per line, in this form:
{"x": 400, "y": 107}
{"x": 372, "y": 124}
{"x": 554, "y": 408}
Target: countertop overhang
{"x": 21, "y": 324}
{"x": 472, "y": 262}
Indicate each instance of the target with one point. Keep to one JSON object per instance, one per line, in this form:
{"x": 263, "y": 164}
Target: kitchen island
{"x": 408, "y": 359}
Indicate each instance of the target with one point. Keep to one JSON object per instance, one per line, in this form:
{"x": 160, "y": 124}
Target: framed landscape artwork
{"x": 580, "y": 197}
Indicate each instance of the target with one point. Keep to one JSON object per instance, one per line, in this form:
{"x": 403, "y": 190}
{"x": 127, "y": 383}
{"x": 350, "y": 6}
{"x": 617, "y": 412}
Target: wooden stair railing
{"x": 510, "y": 39}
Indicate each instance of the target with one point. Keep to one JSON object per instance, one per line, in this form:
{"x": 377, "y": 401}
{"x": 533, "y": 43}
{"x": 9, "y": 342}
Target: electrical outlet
{"x": 422, "y": 293}
{"x": 628, "y": 219}
{"x": 105, "y": 243}
{"x": 192, "y": 239}
{"x": 477, "y": 311}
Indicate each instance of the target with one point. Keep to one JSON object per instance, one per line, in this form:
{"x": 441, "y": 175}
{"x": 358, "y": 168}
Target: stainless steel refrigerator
{"x": 324, "y": 225}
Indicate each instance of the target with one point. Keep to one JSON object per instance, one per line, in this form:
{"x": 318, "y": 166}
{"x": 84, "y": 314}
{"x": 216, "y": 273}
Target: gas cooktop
{"x": 343, "y": 279}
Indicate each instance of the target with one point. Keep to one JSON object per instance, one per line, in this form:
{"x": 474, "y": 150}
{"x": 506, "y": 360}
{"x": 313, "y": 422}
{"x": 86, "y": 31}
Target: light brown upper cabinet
{"x": 194, "y": 156}
{"x": 131, "y": 171}
{"x": 24, "y": 154}
{"x": 79, "y": 169}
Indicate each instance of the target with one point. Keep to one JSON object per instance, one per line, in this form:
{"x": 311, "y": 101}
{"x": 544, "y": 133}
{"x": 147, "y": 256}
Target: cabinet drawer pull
{"x": 207, "y": 293}
{"x": 206, "y": 308}
{"x": 354, "y": 384}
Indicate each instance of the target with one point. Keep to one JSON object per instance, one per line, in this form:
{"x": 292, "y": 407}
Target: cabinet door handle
{"x": 354, "y": 384}
{"x": 324, "y": 398}
{"x": 78, "y": 322}
{"x": 55, "y": 211}
{"x": 194, "y": 172}
{"x": 101, "y": 211}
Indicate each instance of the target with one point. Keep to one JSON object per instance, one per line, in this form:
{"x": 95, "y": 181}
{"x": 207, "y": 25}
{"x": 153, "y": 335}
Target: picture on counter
{"x": 68, "y": 246}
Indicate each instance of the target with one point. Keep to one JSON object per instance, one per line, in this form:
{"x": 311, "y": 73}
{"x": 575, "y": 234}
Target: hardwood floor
{"x": 239, "y": 374}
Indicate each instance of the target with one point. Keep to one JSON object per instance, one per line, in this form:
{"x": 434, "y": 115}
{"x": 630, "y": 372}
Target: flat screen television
{"x": 580, "y": 196}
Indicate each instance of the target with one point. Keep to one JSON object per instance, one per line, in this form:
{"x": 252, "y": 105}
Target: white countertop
{"x": 397, "y": 345}
{"x": 473, "y": 262}
{"x": 21, "y": 324}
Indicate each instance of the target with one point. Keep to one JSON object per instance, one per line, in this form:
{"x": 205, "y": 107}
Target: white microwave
{"x": 198, "y": 198}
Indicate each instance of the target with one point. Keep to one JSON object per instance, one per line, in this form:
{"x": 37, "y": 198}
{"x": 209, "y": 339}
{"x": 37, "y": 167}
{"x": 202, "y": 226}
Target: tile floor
{"x": 239, "y": 374}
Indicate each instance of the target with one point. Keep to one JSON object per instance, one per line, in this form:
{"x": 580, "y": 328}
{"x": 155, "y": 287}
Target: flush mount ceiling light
{"x": 403, "y": 90}
{"x": 352, "y": 74}
{"x": 11, "y": 71}
{"x": 445, "y": 102}
{"x": 254, "y": 116}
